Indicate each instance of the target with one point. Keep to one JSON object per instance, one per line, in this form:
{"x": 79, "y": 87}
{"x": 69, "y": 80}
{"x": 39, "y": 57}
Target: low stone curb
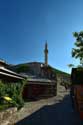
{"x": 6, "y": 115}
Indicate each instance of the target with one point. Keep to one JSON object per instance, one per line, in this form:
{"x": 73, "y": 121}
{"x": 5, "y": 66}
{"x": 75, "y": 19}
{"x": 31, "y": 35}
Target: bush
{"x": 2, "y": 89}
{"x": 14, "y": 91}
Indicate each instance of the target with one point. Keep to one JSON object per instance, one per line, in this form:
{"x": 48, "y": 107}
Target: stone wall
{"x": 5, "y": 116}
{"x": 63, "y": 78}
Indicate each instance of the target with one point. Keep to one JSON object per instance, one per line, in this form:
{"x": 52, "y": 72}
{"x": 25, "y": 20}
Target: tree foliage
{"x": 70, "y": 65}
{"x": 14, "y": 91}
{"x": 22, "y": 68}
{"x": 77, "y": 52}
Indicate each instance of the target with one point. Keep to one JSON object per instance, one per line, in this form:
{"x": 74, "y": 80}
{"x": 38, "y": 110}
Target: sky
{"x": 25, "y": 25}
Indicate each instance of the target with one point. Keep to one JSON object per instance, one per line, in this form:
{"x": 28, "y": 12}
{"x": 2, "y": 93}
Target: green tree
{"x": 77, "y": 52}
{"x": 22, "y": 68}
{"x": 70, "y": 65}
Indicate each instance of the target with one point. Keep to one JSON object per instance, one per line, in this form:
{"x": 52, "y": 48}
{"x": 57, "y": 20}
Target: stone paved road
{"x": 56, "y": 111}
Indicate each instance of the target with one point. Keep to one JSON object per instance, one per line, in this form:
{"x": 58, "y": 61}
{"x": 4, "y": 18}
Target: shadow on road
{"x": 60, "y": 113}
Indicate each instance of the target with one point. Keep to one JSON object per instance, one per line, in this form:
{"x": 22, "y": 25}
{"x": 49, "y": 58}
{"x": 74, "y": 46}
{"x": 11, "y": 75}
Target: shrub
{"x": 14, "y": 91}
{"x": 2, "y": 89}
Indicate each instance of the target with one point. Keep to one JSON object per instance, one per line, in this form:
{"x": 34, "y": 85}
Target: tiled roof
{"x": 42, "y": 81}
{"x": 7, "y": 72}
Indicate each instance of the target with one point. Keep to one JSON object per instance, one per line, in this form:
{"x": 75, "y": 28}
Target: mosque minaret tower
{"x": 46, "y": 54}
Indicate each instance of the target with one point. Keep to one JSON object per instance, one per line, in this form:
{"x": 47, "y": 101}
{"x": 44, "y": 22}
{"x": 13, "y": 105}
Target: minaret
{"x": 46, "y": 54}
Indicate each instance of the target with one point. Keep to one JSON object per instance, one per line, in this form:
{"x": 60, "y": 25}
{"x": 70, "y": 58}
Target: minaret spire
{"x": 46, "y": 54}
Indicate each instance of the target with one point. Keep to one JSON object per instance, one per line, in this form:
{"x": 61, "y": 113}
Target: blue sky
{"x": 25, "y": 25}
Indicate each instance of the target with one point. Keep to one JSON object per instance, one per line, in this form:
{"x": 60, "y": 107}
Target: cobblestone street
{"x": 52, "y": 111}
